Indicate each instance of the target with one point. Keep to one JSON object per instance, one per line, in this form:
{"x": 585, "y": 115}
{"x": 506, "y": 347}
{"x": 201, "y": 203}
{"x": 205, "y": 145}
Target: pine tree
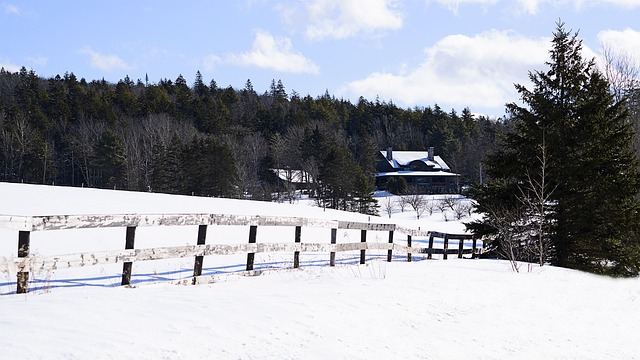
{"x": 199, "y": 88}
{"x": 165, "y": 167}
{"x": 590, "y": 165}
{"x": 208, "y": 169}
{"x": 109, "y": 160}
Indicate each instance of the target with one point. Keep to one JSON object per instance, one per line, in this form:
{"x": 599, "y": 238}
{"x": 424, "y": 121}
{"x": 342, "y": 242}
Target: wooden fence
{"x": 23, "y": 264}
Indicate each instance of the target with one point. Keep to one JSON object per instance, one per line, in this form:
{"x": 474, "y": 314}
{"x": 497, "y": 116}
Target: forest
{"x": 561, "y": 178}
{"x": 201, "y": 139}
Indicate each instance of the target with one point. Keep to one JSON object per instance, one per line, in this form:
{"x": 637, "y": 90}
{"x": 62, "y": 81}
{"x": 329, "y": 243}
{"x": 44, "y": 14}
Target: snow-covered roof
{"x": 417, "y": 173}
{"x": 294, "y": 176}
{"x": 401, "y": 159}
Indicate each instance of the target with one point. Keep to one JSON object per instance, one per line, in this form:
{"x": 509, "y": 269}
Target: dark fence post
{"x": 197, "y": 266}
{"x": 409, "y": 246}
{"x": 460, "y": 247}
{"x": 128, "y": 244}
{"x": 24, "y": 243}
{"x": 475, "y": 248}
{"x": 363, "y": 252}
{"x": 446, "y": 247}
{"x": 332, "y": 255}
{"x": 390, "y": 252}
{"x": 429, "y": 255}
{"x": 253, "y": 230}
{"x": 296, "y": 254}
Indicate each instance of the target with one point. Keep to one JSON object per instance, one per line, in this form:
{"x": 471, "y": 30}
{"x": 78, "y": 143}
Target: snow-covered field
{"x": 454, "y": 309}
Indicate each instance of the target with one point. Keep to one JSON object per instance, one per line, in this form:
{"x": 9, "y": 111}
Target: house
{"x": 423, "y": 171}
{"x": 297, "y": 178}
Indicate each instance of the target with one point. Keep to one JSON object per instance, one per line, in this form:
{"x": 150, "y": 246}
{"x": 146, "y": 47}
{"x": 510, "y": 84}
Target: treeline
{"x": 205, "y": 140}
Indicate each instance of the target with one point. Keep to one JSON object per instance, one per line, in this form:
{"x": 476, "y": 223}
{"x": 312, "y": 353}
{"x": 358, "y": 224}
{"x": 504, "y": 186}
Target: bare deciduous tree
{"x": 388, "y": 205}
{"x": 536, "y": 197}
{"x": 247, "y": 150}
{"x": 416, "y": 201}
{"x": 622, "y": 71}
{"x": 429, "y": 206}
{"x": 83, "y": 135}
{"x": 511, "y": 233}
{"x": 524, "y": 230}
{"x": 462, "y": 209}
{"x": 451, "y": 202}
{"x": 442, "y": 205}
{"x": 23, "y": 136}
{"x": 402, "y": 203}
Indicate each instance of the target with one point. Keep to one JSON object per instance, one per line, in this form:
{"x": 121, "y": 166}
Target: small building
{"x": 423, "y": 171}
{"x": 299, "y": 179}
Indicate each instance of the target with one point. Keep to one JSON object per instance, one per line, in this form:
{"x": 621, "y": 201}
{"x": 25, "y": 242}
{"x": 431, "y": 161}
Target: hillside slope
{"x": 421, "y": 310}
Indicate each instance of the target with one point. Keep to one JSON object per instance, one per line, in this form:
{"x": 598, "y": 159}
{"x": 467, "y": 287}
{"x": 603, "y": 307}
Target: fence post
{"x": 296, "y": 254}
{"x": 24, "y": 243}
{"x": 460, "y": 247}
{"x": 197, "y": 266}
{"x": 128, "y": 244}
{"x": 253, "y": 229}
{"x": 446, "y": 247}
{"x": 475, "y": 248}
{"x": 363, "y": 252}
{"x": 390, "y": 252}
{"x": 429, "y": 256}
{"x": 409, "y": 246}
{"x": 332, "y": 255}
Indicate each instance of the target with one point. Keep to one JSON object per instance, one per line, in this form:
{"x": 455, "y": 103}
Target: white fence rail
{"x": 24, "y": 225}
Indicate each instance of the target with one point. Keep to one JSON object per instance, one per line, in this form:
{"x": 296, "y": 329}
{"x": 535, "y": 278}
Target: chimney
{"x": 431, "y": 154}
{"x": 389, "y": 154}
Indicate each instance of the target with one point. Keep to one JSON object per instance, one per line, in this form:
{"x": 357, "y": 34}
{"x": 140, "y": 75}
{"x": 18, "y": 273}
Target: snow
{"x": 410, "y": 173}
{"x": 403, "y": 158}
{"x": 433, "y": 309}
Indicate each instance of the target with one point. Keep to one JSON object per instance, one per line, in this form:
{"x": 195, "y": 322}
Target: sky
{"x": 414, "y": 53}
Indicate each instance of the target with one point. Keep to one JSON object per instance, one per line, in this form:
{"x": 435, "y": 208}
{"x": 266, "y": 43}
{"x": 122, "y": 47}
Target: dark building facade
{"x": 422, "y": 171}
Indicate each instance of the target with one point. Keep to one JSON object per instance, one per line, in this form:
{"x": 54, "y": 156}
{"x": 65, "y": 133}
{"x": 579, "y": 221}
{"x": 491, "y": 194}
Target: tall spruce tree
{"x": 590, "y": 169}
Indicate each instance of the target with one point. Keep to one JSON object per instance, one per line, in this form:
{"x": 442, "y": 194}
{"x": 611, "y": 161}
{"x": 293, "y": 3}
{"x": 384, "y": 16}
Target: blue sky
{"x": 456, "y": 53}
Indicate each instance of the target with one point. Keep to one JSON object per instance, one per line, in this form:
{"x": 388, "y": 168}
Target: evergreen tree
{"x": 397, "y": 185}
{"x": 362, "y": 196}
{"x": 574, "y": 125}
{"x": 165, "y": 167}
{"x": 200, "y": 89}
{"x": 109, "y": 160}
{"x": 248, "y": 87}
{"x": 208, "y": 169}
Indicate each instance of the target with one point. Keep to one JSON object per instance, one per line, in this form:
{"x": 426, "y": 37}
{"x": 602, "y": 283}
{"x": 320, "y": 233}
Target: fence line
{"x": 23, "y": 263}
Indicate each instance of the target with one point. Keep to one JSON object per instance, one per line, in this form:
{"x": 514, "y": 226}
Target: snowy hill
{"x": 426, "y": 309}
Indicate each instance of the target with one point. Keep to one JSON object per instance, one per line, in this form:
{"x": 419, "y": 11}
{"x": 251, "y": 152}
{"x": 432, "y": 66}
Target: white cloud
{"x": 453, "y": 5}
{"x": 460, "y": 71}
{"x": 8, "y": 66}
{"x": 626, "y": 41}
{"x": 341, "y": 19}
{"x": 210, "y": 62}
{"x": 39, "y": 60}
{"x": 621, "y": 3}
{"x": 626, "y": 3}
{"x": 11, "y": 9}
{"x": 533, "y": 5}
{"x": 530, "y": 6}
{"x": 105, "y": 62}
{"x": 269, "y": 52}
{"x": 518, "y": 6}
